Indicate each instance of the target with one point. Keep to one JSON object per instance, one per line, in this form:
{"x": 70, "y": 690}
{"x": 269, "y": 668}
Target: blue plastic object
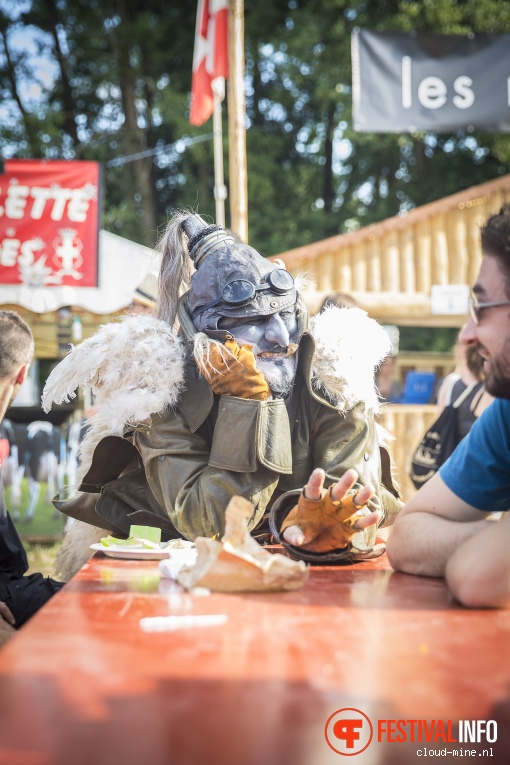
{"x": 418, "y": 388}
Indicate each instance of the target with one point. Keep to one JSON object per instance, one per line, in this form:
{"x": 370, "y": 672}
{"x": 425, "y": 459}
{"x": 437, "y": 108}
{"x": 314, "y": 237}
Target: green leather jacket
{"x": 211, "y": 447}
{"x": 190, "y": 460}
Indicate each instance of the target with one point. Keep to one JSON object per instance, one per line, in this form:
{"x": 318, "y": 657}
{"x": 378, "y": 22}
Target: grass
{"x": 41, "y": 557}
{"x": 47, "y": 523}
{"x": 41, "y": 537}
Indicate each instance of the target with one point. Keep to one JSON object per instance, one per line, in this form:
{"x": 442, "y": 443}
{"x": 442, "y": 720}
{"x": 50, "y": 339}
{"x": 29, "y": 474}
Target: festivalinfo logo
{"x": 349, "y": 731}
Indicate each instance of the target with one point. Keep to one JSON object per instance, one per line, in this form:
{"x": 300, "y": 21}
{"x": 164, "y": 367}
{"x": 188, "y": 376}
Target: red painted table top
{"x": 81, "y": 683}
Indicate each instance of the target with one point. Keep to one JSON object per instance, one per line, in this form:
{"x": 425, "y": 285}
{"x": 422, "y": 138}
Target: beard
{"x": 497, "y": 375}
{"x": 279, "y": 374}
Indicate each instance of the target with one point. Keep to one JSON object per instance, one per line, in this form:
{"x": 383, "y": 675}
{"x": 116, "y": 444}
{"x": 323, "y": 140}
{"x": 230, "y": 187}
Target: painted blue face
{"x": 274, "y": 339}
{"x": 270, "y": 335}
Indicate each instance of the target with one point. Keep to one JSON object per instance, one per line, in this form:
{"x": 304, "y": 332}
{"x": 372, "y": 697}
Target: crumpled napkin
{"x": 238, "y": 563}
{"x": 179, "y": 558}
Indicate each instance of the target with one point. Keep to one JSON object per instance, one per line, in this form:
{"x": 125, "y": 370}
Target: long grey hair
{"x": 176, "y": 267}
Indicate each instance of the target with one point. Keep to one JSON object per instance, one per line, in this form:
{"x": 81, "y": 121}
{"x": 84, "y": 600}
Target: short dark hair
{"x": 16, "y": 342}
{"x": 495, "y": 235}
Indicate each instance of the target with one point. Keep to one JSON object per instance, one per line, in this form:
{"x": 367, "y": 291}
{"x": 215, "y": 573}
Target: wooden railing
{"x": 406, "y": 425}
{"x": 389, "y": 267}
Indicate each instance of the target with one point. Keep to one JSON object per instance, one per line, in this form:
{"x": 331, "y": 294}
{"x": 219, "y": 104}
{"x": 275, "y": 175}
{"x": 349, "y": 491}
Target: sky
{"x": 31, "y": 43}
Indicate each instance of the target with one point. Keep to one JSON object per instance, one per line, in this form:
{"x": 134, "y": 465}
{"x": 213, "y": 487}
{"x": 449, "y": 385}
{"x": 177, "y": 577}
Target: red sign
{"x": 49, "y": 223}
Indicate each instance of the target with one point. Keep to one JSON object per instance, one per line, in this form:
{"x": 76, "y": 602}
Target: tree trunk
{"x": 329, "y": 191}
{"x": 67, "y": 96}
{"x": 138, "y": 172}
{"x": 28, "y": 120}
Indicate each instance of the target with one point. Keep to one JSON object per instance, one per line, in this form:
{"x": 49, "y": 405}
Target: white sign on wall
{"x": 449, "y": 298}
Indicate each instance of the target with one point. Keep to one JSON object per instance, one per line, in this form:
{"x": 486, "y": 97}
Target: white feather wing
{"x": 349, "y": 346}
{"x": 134, "y": 368}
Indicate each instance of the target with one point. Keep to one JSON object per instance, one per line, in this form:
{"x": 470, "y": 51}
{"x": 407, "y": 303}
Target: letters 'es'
{"x": 432, "y": 91}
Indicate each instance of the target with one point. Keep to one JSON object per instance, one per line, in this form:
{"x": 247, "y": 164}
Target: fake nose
{"x": 276, "y": 331}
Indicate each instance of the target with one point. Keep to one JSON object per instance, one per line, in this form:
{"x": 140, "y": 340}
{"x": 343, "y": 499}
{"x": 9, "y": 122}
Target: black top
{"x": 13, "y": 558}
{"x": 465, "y": 417}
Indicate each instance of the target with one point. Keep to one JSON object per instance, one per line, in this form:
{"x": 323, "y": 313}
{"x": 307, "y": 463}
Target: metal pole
{"x": 220, "y": 190}
{"x": 238, "y": 171}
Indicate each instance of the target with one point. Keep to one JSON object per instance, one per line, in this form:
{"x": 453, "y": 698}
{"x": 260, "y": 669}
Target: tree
{"x": 110, "y": 80}
{"x": 117, "y": 90}
{"x": 339, "y": 180}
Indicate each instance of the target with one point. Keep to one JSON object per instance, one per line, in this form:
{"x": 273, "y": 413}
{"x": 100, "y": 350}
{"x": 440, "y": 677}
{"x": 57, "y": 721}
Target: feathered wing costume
{"x": 135, "y": 368}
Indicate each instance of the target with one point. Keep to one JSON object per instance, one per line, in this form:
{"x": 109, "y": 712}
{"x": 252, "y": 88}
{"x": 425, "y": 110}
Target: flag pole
{"x": 220, "y": 190}
{"x": 238, "y": 172}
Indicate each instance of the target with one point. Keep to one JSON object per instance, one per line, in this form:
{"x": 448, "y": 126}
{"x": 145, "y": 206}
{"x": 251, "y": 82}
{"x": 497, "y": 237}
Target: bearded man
{"x": 446, "y": 530}
{"x": 247, "y": 399}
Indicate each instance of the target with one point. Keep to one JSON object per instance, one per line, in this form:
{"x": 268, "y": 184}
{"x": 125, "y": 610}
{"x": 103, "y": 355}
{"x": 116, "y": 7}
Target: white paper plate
{"x": 131, "y": 553}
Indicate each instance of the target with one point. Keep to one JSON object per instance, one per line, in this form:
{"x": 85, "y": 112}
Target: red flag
{"x": 210, "y": 57}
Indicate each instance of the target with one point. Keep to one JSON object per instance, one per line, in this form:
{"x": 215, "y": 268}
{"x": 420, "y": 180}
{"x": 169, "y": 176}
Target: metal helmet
{"x": 232, "y": 279}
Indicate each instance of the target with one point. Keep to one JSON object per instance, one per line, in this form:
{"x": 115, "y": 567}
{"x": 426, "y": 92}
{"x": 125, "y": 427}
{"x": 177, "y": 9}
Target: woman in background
{"x": 468, "y": 371}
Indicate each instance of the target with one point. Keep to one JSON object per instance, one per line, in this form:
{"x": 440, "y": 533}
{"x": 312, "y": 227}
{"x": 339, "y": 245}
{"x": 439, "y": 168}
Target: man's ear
{"x": 22, "y": 374}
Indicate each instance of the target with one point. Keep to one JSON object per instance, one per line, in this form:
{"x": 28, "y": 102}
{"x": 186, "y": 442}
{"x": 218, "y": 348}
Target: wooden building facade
{"x": 390, "y": 267}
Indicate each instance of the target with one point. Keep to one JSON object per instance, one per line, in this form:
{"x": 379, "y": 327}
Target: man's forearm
{"x": 478, "y": 572}
{"x": 422, "y": 543}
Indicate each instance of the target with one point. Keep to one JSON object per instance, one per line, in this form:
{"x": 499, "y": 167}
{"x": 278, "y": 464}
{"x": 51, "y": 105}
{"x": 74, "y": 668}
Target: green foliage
{"x": 434, "y": 339}
{"x": 341, "y": 180}
{"x": 106, "y": 79}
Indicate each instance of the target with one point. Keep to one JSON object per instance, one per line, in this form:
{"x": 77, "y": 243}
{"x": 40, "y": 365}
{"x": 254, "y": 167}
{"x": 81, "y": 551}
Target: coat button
{"x": 366, "y": 456}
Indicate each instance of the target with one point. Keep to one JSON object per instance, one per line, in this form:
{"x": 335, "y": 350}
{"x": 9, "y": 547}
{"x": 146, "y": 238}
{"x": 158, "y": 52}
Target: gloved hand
{"x": 327, "y": 520}
{"x": 235, "y": 373}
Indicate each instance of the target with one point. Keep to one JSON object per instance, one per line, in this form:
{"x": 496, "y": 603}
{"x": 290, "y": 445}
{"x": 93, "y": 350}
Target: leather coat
{"x": 191, "y": 459}
{"x": 179, "y": 468}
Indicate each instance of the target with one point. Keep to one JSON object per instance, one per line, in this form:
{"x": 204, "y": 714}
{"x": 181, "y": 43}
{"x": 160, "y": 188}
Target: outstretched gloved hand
{"x": 325, "y": 520}
{"x": 234, "y": 372}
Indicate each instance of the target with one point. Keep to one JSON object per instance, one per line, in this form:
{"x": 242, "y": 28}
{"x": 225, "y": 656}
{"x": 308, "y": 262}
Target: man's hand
{"x": 5, "y": 613}
{"x": 234, "y": 372}
{"x": 327, "y": 520}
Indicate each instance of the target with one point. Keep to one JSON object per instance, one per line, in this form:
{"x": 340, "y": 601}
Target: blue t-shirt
{"x": 479, "y": 469}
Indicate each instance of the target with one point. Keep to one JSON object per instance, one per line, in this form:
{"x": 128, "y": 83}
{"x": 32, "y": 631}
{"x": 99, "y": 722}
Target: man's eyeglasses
{"x": 475, "y": 308}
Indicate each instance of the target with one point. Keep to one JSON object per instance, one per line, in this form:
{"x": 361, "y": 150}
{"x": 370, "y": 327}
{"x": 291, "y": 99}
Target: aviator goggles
{"x": 239, "y": 292}
{"x": 475, "y": 308}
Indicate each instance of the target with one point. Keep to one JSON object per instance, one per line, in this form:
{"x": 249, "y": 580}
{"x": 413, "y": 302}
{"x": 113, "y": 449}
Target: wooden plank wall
{"x": 45, "y": 327}
{"x": 406, "y": 425}
{"x": 390, "y": 266}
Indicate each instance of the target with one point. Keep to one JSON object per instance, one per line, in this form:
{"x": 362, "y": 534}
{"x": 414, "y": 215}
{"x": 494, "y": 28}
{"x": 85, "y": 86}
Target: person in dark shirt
{"x": 20, "y": 595}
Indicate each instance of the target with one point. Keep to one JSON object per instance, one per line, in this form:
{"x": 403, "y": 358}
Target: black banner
{"x": 406, "y": 82}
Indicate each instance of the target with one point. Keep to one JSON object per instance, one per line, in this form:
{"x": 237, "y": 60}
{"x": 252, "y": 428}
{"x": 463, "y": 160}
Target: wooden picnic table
{"x": 82, "y": 684}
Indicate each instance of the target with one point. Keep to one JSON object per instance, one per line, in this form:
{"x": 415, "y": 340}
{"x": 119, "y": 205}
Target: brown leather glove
{"x": 326, "y": 524}
{"x": 236, "y": 374}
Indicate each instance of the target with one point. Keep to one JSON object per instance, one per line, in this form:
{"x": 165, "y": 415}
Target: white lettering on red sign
{"x": 18, "y": 199}
{"x": 49, "y": 223}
